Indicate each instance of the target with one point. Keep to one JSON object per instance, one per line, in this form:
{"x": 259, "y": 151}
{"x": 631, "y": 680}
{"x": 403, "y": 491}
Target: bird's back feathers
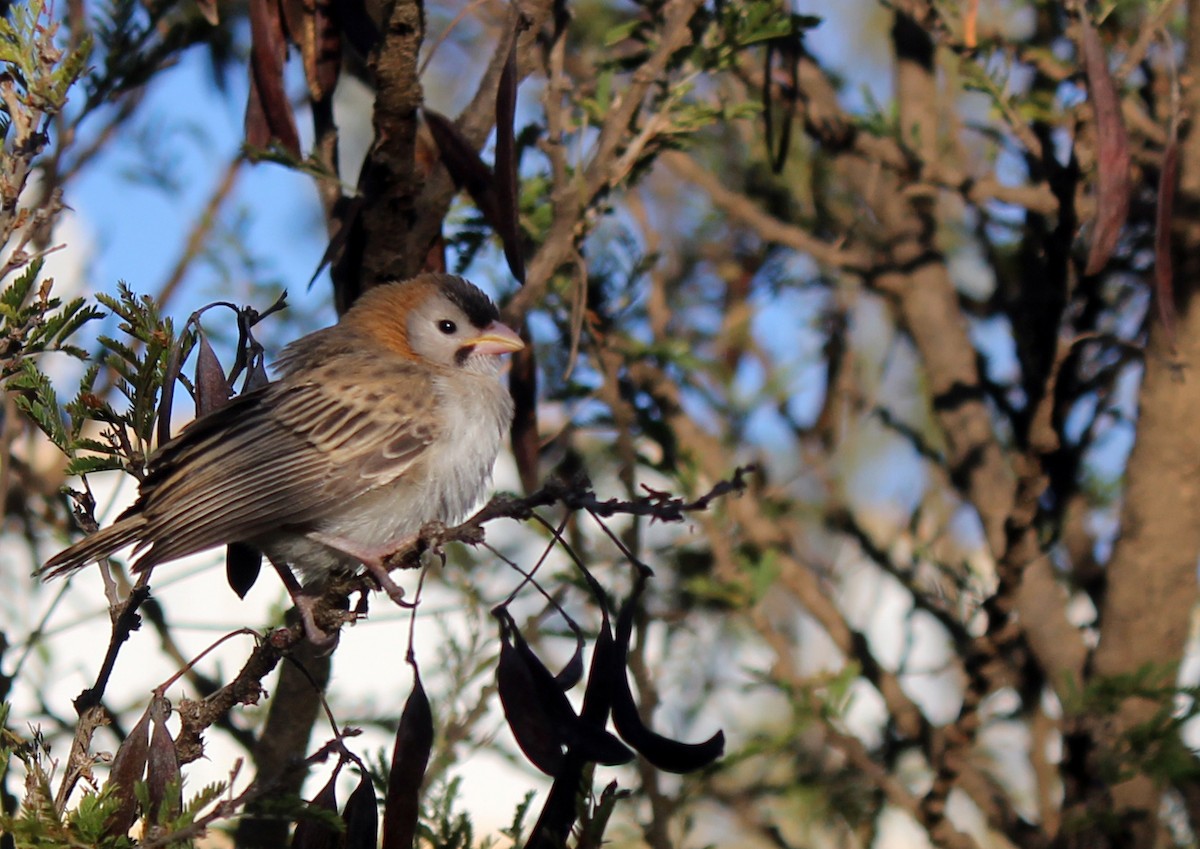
{"x": 286, "y": 454}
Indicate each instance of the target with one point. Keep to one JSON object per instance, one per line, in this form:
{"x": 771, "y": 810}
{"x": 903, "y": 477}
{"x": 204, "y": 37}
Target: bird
{"x": 375, "y": 426}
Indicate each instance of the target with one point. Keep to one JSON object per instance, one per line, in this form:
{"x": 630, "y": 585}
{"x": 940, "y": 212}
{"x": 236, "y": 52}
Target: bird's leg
{"x": 372, "y": 559}
{"x": 305, "y": 605}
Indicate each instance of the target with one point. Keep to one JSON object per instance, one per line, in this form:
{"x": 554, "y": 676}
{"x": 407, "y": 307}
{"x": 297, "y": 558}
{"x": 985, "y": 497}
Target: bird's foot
{"x": 321, "y": 640}
{"x": 306, "y": 605}
{"x": 373, "y": 559}
{"x": 379, "y": 572}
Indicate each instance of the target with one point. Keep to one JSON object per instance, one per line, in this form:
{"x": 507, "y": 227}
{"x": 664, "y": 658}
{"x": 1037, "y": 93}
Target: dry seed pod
{"x": 128, "y": 768}
{"x": 362, "y": 816}
{"x": 410, "y": 757}
{"x": 162, "y": 767}
{"x": 508, "y": 219}
{"x": 212, "y": 387}
{"x": 318, "y": 832}
{"x": 467, "y": 169}
{"x": 243, "y": 562}
{"x": 537, "y": 733}
{"x": 662, "y": 752}
{"x": 539, "y": 713}
{"x": 1112, "y": 151}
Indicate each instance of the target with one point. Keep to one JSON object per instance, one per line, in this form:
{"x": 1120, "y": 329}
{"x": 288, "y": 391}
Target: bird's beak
{"x": 496, "y": 339}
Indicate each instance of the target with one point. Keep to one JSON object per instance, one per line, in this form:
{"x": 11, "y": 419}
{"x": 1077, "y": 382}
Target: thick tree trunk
{"x": 1151, "y": 579}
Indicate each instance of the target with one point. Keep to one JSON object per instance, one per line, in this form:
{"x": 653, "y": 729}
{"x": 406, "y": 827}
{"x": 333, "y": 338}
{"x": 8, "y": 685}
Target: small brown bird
{"x": 385, "y": 421}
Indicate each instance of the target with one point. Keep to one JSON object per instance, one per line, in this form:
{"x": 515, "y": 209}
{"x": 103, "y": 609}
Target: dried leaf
{"x": 318, "y": 832}
{"x": 462, "y": 161}
{"x": 522, "y": 386}
{"x": 162, "y": 767}
{"x": 410, "y": 757}
{"x": 362, "y": 816}
{"x": 1112, "y": 151}
{"x": 662, "y": 752}
{"x": 128, "y": 768}
{"x": 212, "y": 388}
{"x": 311, "y": 26}
{"x": 348, "y": 211}
{"x": 508, "y": 212}
{"x": 269, "y": 111}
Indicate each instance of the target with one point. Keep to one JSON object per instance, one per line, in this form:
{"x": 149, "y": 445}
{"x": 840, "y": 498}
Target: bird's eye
{"x": 447, "y": 326}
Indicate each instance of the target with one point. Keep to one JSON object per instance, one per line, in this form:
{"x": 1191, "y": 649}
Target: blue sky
{"x": 138, "y": 229}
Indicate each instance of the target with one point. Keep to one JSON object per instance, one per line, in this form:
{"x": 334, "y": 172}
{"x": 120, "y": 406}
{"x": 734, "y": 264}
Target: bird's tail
{"x": 98, "y": 545}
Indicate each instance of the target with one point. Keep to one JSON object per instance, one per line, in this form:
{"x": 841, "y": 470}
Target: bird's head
{"x": 439, "y": 318}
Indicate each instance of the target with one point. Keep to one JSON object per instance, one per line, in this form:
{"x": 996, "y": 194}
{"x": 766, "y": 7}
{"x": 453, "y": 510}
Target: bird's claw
{"x": 394, "y": 591}
{"x": 306, "y": 605}
{"x": 321, "y": 640}
{"x": 433, "y": 538}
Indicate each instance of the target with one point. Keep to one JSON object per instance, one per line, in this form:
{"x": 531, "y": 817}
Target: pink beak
{"x": 496, "y": 339}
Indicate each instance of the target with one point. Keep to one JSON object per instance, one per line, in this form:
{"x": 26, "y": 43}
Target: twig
{"x": 202, "y": 229}
{"x": 1149, "y": 31}
{"x": 246, "y": 687}
{"x": 598, "y": 175}
{"x": 576, "y": 495}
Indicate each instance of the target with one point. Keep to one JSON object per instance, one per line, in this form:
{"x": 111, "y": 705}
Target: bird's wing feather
{"x": 288, "y": 454}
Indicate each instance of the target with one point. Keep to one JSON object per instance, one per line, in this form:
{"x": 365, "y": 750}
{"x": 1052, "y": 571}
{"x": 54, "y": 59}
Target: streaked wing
{"x": 289, "y": 453}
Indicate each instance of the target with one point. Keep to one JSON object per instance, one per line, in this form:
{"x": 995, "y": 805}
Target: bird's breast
{"x": 476, "y": 415}
{"x": 451, "y": 476}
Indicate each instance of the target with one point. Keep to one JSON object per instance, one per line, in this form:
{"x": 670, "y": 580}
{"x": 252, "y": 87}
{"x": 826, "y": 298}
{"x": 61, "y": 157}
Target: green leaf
{"x": 13, "y": 297}
{"x": 35, "y": 396}
{"x": 90, "y": 463}
{"x": 621, "y": 32}
{"x": 71, "y": 318}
